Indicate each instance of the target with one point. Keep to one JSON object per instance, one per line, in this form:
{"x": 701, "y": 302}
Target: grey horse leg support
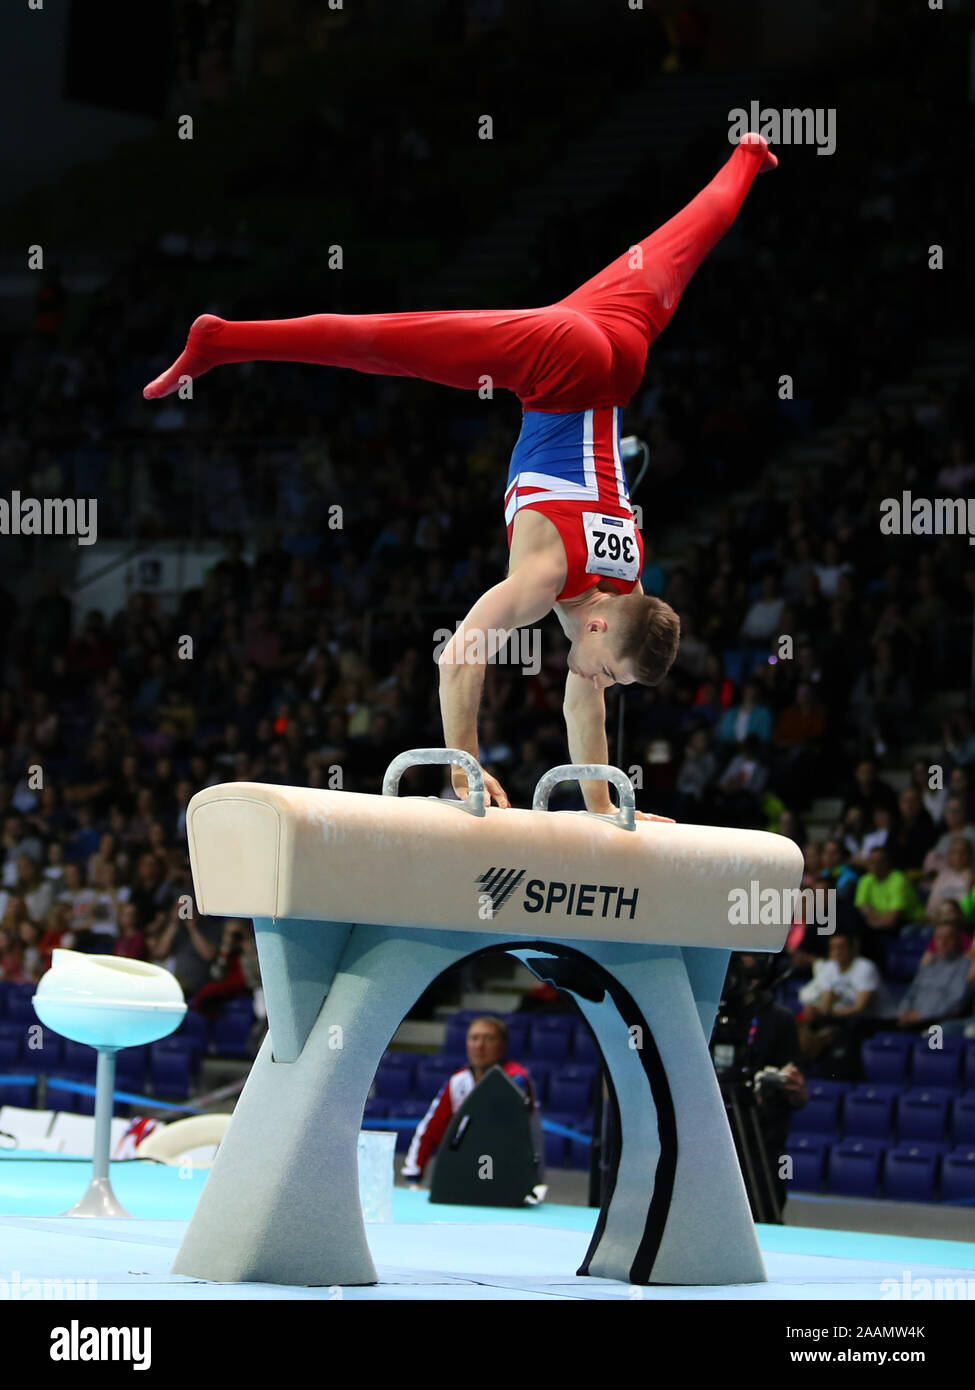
{"x": 281, "y": 1204}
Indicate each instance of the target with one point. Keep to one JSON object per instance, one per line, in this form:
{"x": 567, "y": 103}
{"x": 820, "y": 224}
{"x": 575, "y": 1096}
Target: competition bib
{"x": 611, "y": 546}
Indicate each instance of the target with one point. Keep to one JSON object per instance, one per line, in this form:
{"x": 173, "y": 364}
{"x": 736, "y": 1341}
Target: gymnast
{"x": 573, "y": 545}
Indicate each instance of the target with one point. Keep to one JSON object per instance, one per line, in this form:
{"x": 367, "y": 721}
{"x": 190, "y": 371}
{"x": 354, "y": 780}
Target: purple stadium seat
{"x": 46, "y": 1058}
{"x": 407, "y": 1110}
{"x": 904, "y": 957}
{"x": 9, "y": 1054}
{"x": 19, "y": 1093}
{"x": 20, "y": 1007}
{"x": 550, "y": 1044}
{"x": 540, "y": 1073}
{"x": 820, "y": 1116}
{"x": 570, "y": 1090}
{"x": 922, "y": 1113}
{"x": 868, "y": 1111}
{"x": 169, "y": 1070}
{"x": 584, "y": 1048}
{"x": 808, "y": 1153}
{"x": 968, "y": 1066}
{"x": 232, "y": 1029}
{"x": 557, "y": 1145}
{"x": 393, "y": 1083}
{"x": 854, "y": 1167}
{"x": 194, "y": 1027}
{"x": 430, "y": 1076}
{"x": 61, "y": 1098}
{"x": 455, "y": 1039}
{"x": 5, "y": 988}
{"x": 937, "y": 1066}
{"x": 824, "y": 1086}
{"x": 958, "y": 1174}
{"x": 580, "y": 1154}
{"x": 911, "y": 1171}
{"x": 130, "y": 1068}
{"x": 885, "y": 1058}
{"x": 963, "y": 1119}
{"x": 79, "y": 1059}
{"x": 375, "y": 1109}
{"x": 517, "y": 1037}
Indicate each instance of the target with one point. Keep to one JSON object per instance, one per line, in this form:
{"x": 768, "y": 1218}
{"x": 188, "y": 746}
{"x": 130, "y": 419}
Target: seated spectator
{"x": 149, "y": 891}
{"x": 19, "y": 839}
{"x": 867, "y": 790}
{"x": 940, "y": 988}
{"x": 109, "y": 893}
{"x": 932, "y": 799}
{"x": 800, "y": 724}
{"x": 487, "y": 1046}
{"x": 36, "y": 891}
{"x": 54, "y": 868}
{"x": 761, "y": 622}
{"x": 77, "y": 898}
{"x": 804, "y": 944}
{"x": 791, "y": 825}
{"x": 695, "y": 775}
{"x": 185, "y": 944}
{"x": 959, "y": 739}
{"x": 956, "y": 823}
{"x": 12, "y": 970}
{"x": 882, "y": 825}
{"x": 30, "y": 939}
{"x": 960, "y": 785}
{"x": 854, "y": 832}
{"x": 57, "y": 932}
{"x": 835, "y": 872}
{"x": 706, "y": 706}
{"x": 741, "y": 786}
{"x": 950, "y": 912}
{"x": 885, "y": 897}
{"x": 880, "y": 701}
{"x": 749, "y": 717}
{"x": 131, "y": 941}
{"x": 812, "y": 863}
{"x": 954, "y": 881}
{"x": 227, "y": 979}
{"x": 912, "y": 835}
{"x": 849, "y": 991}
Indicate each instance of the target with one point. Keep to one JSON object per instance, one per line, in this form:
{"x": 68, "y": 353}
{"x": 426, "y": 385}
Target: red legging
{"x": 587, "y": 350}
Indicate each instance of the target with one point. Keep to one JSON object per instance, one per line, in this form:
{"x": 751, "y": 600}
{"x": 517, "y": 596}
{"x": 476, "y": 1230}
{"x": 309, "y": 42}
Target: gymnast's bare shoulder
{"x": 537, "y": 549}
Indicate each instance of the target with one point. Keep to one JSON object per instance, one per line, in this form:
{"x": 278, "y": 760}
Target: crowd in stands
{"x": 312, "y": 646}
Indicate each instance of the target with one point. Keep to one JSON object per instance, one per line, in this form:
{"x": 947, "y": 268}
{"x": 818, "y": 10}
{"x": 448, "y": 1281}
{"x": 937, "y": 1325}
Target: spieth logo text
{"x": 553, "y": 896}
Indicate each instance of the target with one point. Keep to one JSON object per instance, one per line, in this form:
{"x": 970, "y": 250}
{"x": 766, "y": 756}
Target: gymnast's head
{"x": 626, "y": 639}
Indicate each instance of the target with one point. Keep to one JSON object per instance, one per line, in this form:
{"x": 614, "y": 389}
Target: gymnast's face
{"x": 593, "y": 657}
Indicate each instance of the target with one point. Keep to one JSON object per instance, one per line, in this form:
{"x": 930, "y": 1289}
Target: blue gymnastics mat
{"x": 425, "y": 1252}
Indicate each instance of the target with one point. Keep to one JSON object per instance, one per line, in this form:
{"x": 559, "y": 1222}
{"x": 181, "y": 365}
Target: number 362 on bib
{"x": 611, "y": 546}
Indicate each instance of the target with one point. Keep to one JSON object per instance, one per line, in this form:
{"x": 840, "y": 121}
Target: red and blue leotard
{"x": 573, "y": 365}
{"x": 568, "y": 466}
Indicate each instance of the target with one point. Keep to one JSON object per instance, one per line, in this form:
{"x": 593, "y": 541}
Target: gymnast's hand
{"x": 494, "y": 793}
{"x": 646, "y": 815}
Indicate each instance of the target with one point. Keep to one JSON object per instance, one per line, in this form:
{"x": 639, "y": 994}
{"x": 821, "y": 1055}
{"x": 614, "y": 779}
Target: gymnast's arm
{"x": 584, "y": 708}
{"x": 524, "y": 597}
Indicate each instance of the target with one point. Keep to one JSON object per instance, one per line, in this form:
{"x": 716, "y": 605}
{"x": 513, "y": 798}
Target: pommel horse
{"x": 360, "y": 901}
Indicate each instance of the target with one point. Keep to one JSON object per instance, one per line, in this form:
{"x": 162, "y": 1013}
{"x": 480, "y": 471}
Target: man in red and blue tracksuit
{"x": 487, "y": 1043}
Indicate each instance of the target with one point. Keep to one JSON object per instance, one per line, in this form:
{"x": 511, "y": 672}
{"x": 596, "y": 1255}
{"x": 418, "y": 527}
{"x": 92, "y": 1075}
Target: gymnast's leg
{"x": 640, "y": 289}
{"x": 567, "y": 356}
{"x": 453, "y": 347}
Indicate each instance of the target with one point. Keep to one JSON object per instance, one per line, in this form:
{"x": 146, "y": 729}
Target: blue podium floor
{"x": 426, "y": 1252}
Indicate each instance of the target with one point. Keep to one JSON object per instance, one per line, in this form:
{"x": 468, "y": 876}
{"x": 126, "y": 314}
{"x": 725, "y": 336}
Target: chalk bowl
{"x": 108, "y": 1002}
